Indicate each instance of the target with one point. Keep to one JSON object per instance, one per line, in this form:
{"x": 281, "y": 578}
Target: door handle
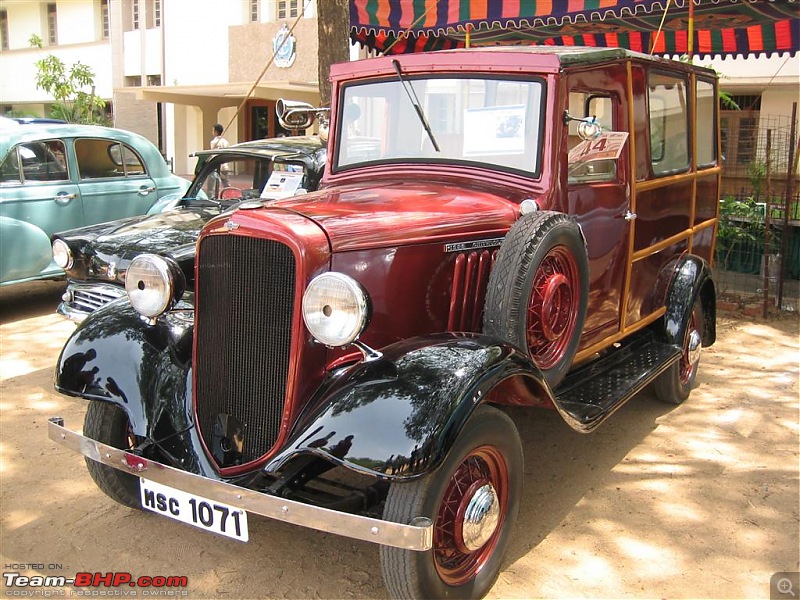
{"x": 62, "y": 199}
{"x": 630, "y": 216}
{"x": 143, "y": 191}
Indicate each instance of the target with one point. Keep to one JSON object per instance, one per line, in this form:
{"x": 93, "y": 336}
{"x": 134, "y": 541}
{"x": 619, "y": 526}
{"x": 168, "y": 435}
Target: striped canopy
{"x": 720, "y": 27}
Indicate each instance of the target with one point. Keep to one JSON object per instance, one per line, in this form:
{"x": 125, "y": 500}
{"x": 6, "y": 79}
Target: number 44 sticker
{"x": 607, "y": 146}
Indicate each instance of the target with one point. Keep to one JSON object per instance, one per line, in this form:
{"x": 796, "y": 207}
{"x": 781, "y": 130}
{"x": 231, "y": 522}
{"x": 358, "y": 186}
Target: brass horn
{"x": 295, "y": 115}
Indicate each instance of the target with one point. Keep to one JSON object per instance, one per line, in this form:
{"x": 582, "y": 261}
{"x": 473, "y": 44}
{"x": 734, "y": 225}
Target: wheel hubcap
{"x": 470, "y": 516}
{"x": 481, "y": 517}
{"x": 555, "y": 306}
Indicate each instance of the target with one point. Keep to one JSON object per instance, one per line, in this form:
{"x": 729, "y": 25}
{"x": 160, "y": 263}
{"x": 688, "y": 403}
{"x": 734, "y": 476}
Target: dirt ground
{"x": 698, "y": 501}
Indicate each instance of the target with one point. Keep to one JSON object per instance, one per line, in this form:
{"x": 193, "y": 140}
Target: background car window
{"x": 106, "y": 158}
{"x": 126, "y": 157}
{"x": 669, "y": 129}
{"x": 40, "y": 161}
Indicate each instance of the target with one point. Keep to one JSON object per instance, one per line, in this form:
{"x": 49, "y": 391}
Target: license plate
{"x": 206, "y": 514}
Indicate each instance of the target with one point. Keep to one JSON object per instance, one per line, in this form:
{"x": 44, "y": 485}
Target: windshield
{"x": 493, "y": 122}
{"x": 244, "y": 178}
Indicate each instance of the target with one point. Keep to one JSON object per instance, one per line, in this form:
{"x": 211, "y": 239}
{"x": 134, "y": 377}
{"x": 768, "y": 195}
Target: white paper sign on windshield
{"x": 282, "y": 184}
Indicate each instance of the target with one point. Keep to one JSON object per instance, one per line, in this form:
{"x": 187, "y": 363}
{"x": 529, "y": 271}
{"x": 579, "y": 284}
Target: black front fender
{"x": 397, "y": 416}
{"x": 113, "y": 356}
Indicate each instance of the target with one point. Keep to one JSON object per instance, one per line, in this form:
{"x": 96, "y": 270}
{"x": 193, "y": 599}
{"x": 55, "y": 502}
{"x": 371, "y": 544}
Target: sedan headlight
{"x": 62, "y": 255}
{"x": 335, "y": 309}
{"x": 154, "y": 284}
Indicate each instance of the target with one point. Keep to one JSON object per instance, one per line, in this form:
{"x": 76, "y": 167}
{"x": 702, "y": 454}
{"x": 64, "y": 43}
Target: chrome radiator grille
{"x": 245, "y": 301}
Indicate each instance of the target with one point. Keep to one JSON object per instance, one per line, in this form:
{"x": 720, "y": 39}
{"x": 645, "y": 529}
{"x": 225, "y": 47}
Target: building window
{"x": 136, "y": 14}
{"x": 52, "y": 24}
{"x": 288, "y": 9}
{"x": 104, "y": 18}
{"x": 153, "y": 15}
{"x": 133, "y": 81}
{"x": 254, "y": 18}
{"x": 3, "y": 30}
{"x": 154, "y": 80}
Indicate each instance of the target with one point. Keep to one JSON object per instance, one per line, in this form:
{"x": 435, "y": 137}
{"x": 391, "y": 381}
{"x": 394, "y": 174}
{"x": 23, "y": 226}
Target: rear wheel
{"x": 473, "y": 500}
{"x": 673, "y": 386}
{"x": 108, "y": 423}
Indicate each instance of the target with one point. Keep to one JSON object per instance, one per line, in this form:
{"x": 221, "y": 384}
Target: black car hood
{"x": 103, "y": 252}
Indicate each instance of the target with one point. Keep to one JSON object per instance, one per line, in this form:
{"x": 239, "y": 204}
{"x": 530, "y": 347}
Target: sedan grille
{"x": 88, "y": 298}
{"x": 245, "y": 302}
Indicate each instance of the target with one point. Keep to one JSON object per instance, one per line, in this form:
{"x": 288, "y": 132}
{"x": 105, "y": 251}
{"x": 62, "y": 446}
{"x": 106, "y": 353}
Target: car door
{"x": 598, "y": 192}
{"x": 113, "y": 180}
{"x": 38, "y": 197}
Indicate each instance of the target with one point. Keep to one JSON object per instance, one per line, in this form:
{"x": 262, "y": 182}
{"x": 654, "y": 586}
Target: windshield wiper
{"x": 412, "y": 95}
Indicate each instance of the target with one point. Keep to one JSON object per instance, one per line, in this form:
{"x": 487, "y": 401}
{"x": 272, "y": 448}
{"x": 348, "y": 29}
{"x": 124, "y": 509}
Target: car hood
{"x": 401, "y": 213}
{"x": 103, "y": 252}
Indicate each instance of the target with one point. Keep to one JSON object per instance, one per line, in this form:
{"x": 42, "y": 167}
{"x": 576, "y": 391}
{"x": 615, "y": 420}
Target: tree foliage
{"x": 72, "y": 89}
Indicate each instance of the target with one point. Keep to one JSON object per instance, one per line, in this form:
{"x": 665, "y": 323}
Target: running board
{"x": 590, "y": 394}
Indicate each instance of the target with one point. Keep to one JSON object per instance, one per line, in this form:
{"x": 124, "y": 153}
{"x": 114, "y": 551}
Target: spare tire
{"x": 538, "y": 291}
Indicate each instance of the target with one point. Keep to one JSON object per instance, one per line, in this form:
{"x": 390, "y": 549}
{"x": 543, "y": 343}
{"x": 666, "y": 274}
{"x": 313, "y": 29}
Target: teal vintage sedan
{"x": 57, "y": 177}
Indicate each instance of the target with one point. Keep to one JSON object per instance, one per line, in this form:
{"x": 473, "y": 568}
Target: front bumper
{"x": 416, "y": 536}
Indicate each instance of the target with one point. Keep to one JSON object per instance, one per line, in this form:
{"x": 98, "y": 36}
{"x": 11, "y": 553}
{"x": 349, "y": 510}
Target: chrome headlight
{"x": 154, "y": 284}
{"x": 335, "y": 309}
{"x": 62, "y": 255}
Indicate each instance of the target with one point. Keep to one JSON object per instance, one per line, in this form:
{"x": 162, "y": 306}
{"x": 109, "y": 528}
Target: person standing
{"x": 218, "y": 143}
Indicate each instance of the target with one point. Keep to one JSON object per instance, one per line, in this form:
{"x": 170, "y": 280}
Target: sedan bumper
{"x": 416, "y": 536}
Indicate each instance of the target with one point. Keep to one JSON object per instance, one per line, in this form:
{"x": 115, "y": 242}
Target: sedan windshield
{"x": 243, "y": 178}
{"x": 492, "y": 122}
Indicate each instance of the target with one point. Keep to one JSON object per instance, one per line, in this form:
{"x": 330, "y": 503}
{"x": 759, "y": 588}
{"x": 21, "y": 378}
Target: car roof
{"x": 280, "y": 146}
{"x": 11, "y": 136}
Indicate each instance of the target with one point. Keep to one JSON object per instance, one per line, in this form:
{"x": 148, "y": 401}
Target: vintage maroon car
{"x": 505, "y": 226}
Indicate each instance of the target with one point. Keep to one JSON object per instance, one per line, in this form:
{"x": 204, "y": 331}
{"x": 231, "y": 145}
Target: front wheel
{"x": 673, "y": 386}
{"x": 473, "y": 500}
{"x": 108, "y": 423}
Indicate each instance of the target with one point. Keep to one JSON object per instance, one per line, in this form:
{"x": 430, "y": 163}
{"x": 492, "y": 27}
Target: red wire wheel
{"x": 472, "y": 499}
{"x": 471, "y": 516}
{"x": 538, "y": 291}
{"x": 553, "y": 308}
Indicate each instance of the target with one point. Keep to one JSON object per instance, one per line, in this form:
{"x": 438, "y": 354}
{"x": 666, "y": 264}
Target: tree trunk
{"x": 333, "y": 32}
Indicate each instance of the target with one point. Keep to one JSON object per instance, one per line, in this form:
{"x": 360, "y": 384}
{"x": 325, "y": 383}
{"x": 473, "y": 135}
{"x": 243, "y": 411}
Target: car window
{"x": 669, "y": 124}
{"x": 587, "y": 105}
{"x": 40, "y": 161}
{"x": 706, "y": 123}
{"x": 249, "y": 178}
{"x": 107, "y": 158}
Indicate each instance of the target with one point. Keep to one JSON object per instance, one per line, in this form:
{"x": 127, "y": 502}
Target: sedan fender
{"x": 24, "y": 251}
{"x": 397, "y": 416}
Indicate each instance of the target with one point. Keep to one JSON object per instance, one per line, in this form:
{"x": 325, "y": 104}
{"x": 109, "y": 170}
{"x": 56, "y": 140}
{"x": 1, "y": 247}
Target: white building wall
{"x": 78, "y": 41}
{"x": 18, "y": 70}
{"x": 196, "y": 40}
{"x": 76, "y": 21}
{"x": 26, "y": 18}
